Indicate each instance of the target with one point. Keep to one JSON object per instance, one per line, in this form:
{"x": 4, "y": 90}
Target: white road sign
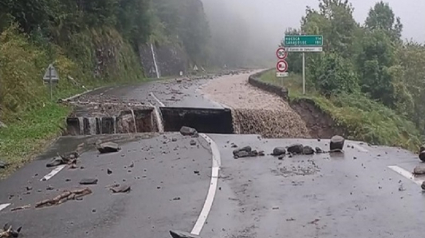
{"x": 304, "y": 49}
{"x": 51, "y": 74}
{"x": 281, "y": 74}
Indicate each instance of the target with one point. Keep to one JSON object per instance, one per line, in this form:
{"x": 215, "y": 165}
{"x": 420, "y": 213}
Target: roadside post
{"x": 51, "y": 77}
{"x": 282, "y": 64}
{"x": 303, "y": 44}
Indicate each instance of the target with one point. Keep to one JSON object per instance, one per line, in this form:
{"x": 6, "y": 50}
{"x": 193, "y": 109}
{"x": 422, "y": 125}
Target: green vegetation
{"x": 358, "y": 80}
{"x": 91, "y": 43}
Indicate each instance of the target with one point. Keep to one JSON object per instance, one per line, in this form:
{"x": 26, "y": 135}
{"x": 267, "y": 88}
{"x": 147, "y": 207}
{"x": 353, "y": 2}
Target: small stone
{"x": 131, "y": 165}
{"x": 280, "y": 158}
{"x": 182, "y": 234}
{"x": 295, "y": 149}
{"x": 109, "y": 171}
{"x": 279, "y": 151}
{"x": 241, "y": 154}
{"x": 337, "y": 143}
{"x": 188, "y": 131}
{"x": 29, "y": 188}
{"x": 307, "y": 150}
{"x": 49, "y": 188}
{"x": 233, "y": 146}
{"x": 192, "y": 142}
{"x": 94, "y": 210}
{"x": 67, "y": 180}
{"x": 419, "y": 170}
{"x": 196, "y": 172}
{"x": 176, "y": 198}
{"x": 422, "y": 156}
{"x": 88, "y": 181}
{"x": 108, "y": 147}
{"x": 174, "y": 139}
{"x": 318, "y": 150}
{"x": 121, "y": 189}
{"x": 423, "y": 185}
{"x": 261, "y": 153}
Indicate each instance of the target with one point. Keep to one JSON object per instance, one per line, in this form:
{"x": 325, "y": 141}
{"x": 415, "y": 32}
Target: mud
{"x": 255, "y": 111}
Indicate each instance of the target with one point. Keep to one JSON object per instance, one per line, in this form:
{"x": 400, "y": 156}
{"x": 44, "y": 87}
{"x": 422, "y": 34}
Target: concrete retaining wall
{"x": 255, "y": 81}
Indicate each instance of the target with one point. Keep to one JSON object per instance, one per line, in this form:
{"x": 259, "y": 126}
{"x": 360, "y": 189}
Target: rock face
{"x": 422, "y": 156}
{"x": 182, "y": 234}
{"x": 279, "y": 151}
{"x": 307, "y": 150}
{"x": 187, "y": 131}
{"x": 108, "y": 147}
{"x": 337, "y": 143}
{"x": 419, "y": 170}
{"x": 296, "y": 149}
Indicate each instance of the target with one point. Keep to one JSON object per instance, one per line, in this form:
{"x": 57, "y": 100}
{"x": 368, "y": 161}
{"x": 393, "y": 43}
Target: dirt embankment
{"x": 255, "y": 111}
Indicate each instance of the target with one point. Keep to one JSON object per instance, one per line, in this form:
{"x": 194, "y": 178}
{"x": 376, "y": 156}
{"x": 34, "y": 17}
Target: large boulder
{"x": 108, "y": 147}
{"x": 422, "y": 156}
{"x": 244, "y": 149}
{"x": 419, "y": 170}
{"x": 279, "y": 151}
{"x": 295, "y": 149}
{"x": 182, "y": 234}
{"x": 188, "y": 131}
{"x": 337, "y": 143}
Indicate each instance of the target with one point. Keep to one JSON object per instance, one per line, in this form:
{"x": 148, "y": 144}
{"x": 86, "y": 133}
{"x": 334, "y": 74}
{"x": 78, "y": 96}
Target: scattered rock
{"x": 261, "y": 153}
{"x": 419, "y": 170}
{"x": 131, "y": 165}
{"x": 188, "y": 131}
{"x": 179, "y": 80}
{"x": 196, "y": 172}
{"x": 49, "y": 188}
{"x": 176, "y": 198}
{"x": 65, "y": 196}
{"x": 233, "y": 145}
{"x": 121, "y": 189}
{"x": 3, "y": 165}
{"x": 68, "y": 158}
{"x": 337, "y": 143}
{"x": 295, "y": 149}
{"x": 280, "y": 158}
{"x": 192, "y": 142}
{"x": 9, "y": 232}
{"x": 88, "y": 181}
{"x": 279, "y": 151}
{"x": 422, "y": 156}
{"x": 182, "y": 234}
{"x": 108, "y": 147}
{"x": 307, "y": 150}
{"x": 29, "y": 188}
{"x": 174, "y": 139}
{"x": 423, "y": 185}
{"x": 318, "y": 150}
{"x": 401, "y": 188}
{"x": 109, "y": 171}
{"x": 246, "y": 149}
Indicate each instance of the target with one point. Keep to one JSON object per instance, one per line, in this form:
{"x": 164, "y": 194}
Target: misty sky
{"x": 287, "y": 13}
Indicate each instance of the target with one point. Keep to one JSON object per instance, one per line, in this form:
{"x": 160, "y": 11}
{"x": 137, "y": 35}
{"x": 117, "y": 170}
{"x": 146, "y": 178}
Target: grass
{"x": 362, "y": 118}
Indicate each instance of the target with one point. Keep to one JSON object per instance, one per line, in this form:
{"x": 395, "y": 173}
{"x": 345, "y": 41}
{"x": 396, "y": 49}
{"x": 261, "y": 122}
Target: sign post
{"x": 303, "y": 43}
{"x": 282, "y": 65}
{"x": 51, "y": 76}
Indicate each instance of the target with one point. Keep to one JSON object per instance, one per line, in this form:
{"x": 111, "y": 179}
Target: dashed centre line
{"x": 3, "y": 206}
{"x": 406, "y": 174}
{"x": 53, "y": 173}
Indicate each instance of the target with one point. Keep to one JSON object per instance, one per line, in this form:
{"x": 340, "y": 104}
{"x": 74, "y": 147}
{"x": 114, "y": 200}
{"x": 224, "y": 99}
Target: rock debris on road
{"x": 256, "y": 111}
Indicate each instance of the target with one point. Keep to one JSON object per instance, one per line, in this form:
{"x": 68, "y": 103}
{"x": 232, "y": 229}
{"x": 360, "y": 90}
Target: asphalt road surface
{"x": 367, "y": 191}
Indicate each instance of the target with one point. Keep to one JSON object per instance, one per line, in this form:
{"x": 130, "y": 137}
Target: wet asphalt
{"x": 352, "y": 194}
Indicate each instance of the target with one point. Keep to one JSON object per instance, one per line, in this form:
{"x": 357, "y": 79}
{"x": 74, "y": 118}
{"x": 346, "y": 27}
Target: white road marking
{"x": 407, "y": 174}
{"x": 160, "y": 103}
{"x": 216, "y": 163}
{"x": 359, "y": 147}
{"x": 53, "y": 173}
{"x": 3, "y": 206}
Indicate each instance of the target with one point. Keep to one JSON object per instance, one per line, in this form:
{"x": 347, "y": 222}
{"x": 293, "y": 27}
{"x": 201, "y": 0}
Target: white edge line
{"x": 53, "y": 173}
{"x": 160, "y": 103}
{"x": 406, "y": 174}
{"x": 3, "y": 206}
{"x": 216, "y": 162}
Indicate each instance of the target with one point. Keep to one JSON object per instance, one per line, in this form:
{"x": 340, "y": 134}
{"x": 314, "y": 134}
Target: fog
{"x": 251, "y": 29}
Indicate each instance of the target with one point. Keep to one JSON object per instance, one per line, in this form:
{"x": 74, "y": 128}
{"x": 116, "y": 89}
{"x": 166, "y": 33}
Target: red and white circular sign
{"x": 282, "y": 66}
{"x": 281, "y": 53}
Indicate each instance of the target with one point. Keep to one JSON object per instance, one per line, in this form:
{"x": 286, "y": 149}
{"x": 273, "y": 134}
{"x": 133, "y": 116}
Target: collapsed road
{"x": 147, "y": 182}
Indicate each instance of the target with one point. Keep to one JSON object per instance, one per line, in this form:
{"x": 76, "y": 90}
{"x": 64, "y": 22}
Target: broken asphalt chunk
{"x": 279, "y": 151}
{"x": 337, "y": 143}
{"x": 121, "y": 189}
{"x": 108, "y": 147}
{"x": 88, "y": 181}
{"x": 295, "y": 149}
{"x": 182, "y": 234}
{"x": 63, "y": 197}
{"x": 188, "y": 131}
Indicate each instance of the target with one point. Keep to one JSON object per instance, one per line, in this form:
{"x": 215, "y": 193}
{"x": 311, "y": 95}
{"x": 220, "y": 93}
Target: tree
{"x": 382, "y": 17}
